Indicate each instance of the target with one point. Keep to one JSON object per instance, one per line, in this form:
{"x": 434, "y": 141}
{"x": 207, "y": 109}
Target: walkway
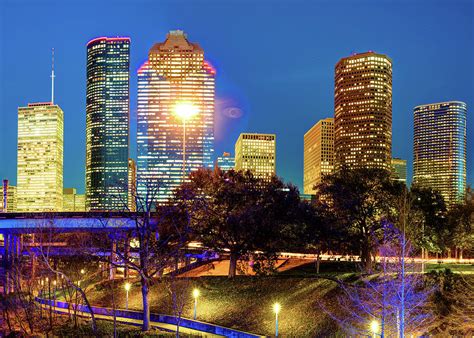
{"x": 187, "y": 326}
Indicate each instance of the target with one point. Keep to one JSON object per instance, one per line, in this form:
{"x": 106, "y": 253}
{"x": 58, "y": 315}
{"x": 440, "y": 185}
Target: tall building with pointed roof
{"x": 175, "y": 72}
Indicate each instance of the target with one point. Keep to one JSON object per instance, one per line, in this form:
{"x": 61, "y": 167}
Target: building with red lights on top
{"x": 168, "y": 147}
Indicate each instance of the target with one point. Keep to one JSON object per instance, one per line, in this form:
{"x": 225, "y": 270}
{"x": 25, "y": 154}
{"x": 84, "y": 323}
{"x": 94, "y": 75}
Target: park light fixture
{"x": 127, "y": 287}
{"x": 374, "y": 327}
{"x": 185, "y": 110}
{"x": 83, "y": 271}
{"x": 195, "y": 295}
{"x": 276, "y": 309}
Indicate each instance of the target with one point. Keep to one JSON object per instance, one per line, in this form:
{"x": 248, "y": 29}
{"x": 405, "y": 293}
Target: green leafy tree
{"x": 360, "y": 199}
{"x": 431, "y": 231}
{"x": 238, "y": 212}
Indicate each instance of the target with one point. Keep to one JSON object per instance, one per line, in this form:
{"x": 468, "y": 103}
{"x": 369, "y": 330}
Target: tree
{"x": 461, "y": 229}
{"x": 396, "y": 298}
{"x": 430, "y": 232}
{"x": 238, "y": 212}
{"x": 159, "y": 232}
{"x": 360, "y": 199}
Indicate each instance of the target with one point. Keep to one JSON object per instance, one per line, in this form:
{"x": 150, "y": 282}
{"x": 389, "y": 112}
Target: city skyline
{"x": 248, "y": 111}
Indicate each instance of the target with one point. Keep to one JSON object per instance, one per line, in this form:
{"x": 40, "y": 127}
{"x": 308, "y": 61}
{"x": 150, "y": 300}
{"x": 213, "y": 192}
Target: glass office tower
{"x": 175, "y": 75}
{"x": 363, "y": 111}
{"x": 107, "y": 123}
{"x": 439, "y": 149}
{"x": 40, "y": 158}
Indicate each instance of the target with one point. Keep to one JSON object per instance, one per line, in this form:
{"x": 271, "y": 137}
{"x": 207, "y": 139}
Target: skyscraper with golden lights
{"x": 257, "y": 153}
{"x": 439, "y": 149}
{"x": 40, "y": 158}
{"x": 176, "y": 74}
{"x": 318, "y": 154}
{"x": 107, "y": 123}
{"x": 363, "y": 111}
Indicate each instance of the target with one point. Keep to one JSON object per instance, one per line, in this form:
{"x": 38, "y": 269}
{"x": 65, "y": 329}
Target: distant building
{"x": 318, "y": 154}
{"x": 363, "y": 111}
{"x": 257, "y": 153}
{"x": 8, "y": 197}
{"x": 107, "y": 123}
{"x": 176, "y": 75}
{"x": 132, "y": 185}
{"x": 73, "y": 202}
{"x": 399, "y": 170}
{"x": 439, "y": 149}
{"x": 225, "y": 162}
{"x": 40, "y": 158}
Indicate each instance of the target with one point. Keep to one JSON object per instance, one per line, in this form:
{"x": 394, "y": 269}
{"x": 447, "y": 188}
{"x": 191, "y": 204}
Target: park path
{"x": 136, "y": 322}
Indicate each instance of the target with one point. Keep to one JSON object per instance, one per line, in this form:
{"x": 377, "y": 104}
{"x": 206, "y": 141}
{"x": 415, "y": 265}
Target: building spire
{"x": 52, "y": 76}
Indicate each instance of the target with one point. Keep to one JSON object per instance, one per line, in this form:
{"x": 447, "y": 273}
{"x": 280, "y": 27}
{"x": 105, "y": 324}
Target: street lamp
{"x": 127, "y": 287}
{"x": 185, "y": 111}
{"x": 276, "y": 309}
{"x": 195, "y": 295}
{"x": 83, "y": 271}
{"x": 374, "y": 327}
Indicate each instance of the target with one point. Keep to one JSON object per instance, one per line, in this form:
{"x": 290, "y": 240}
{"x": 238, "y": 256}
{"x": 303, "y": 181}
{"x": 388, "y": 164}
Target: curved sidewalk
{"x": 162, "y": 322}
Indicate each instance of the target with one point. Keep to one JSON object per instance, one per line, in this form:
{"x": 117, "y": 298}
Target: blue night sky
{"x": 274, "y": 59}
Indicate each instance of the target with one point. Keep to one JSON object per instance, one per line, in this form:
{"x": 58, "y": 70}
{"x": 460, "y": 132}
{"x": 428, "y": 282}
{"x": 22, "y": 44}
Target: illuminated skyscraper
{"x": 257, "y": 153}
{"x": 107, "y": 123}
{"x": 72, "y": 201}
{"x": 132, "y": 185}
{"x": 318, "y": 154}
{"x": 8, "y": 197}
{"x": 439, "y": 149}
{"x": 225, "y": 162}
{"x": 399, "y": 170}
{"x": 40, "y": 158}
{"x": 175, "y": 74}
{"x": 363, "y": 111}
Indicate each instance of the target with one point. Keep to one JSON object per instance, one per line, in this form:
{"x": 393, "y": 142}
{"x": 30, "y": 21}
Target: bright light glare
{"x": 185, "y": 110}
{"x": 195, "y": 293}
{"x": 374, "y": 326}
{"x": 83, "y": 271}
{"x": 276, "y": 308}
{"x": 127, "y": 286}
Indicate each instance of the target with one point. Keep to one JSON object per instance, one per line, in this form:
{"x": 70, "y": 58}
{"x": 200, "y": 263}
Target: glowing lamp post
{"x": 185, "y": 111}
{"x": 127, "y": 287}
{"x": 374, "y": 327}
{"x": 276, "y": 309}
{"x": 195, "y": 295}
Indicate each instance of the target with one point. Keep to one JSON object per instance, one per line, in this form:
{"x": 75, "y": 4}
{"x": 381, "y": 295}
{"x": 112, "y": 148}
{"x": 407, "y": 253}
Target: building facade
{"x": 225, "y": 162}
{"x": 40, "y": 158}
{"x": 132, "y": 185}
{"x": 318, "y": 154}
{"x": 399, "y": 170}
{"x": 107, "y": 123}
{"x": 439, "y": 149}
{"x": 8, "y": 197}
{"x": 72, "y": 201}
{"x": 363, "y": 111}
{"x": 170, "y": 147}
{"x": 257, "y": 153}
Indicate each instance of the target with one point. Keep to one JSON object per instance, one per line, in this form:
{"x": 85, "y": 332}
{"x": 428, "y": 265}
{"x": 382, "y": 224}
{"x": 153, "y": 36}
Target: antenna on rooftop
{"x": 52, "y": 76}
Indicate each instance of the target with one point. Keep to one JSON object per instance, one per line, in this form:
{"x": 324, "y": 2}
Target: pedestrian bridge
{"x": 66, "y": 221}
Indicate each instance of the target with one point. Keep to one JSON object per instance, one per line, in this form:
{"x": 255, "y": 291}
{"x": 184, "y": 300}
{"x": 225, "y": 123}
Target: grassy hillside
{"x": 245, "y": 302}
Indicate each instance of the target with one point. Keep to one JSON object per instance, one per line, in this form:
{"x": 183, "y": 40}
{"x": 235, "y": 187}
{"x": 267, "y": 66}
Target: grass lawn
{"x": 460, "y": 268}
{"x": 245, "y": 302}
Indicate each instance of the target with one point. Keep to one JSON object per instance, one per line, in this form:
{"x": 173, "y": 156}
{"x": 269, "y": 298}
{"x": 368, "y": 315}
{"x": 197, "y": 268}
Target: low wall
{"x": 167, "y": 319}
